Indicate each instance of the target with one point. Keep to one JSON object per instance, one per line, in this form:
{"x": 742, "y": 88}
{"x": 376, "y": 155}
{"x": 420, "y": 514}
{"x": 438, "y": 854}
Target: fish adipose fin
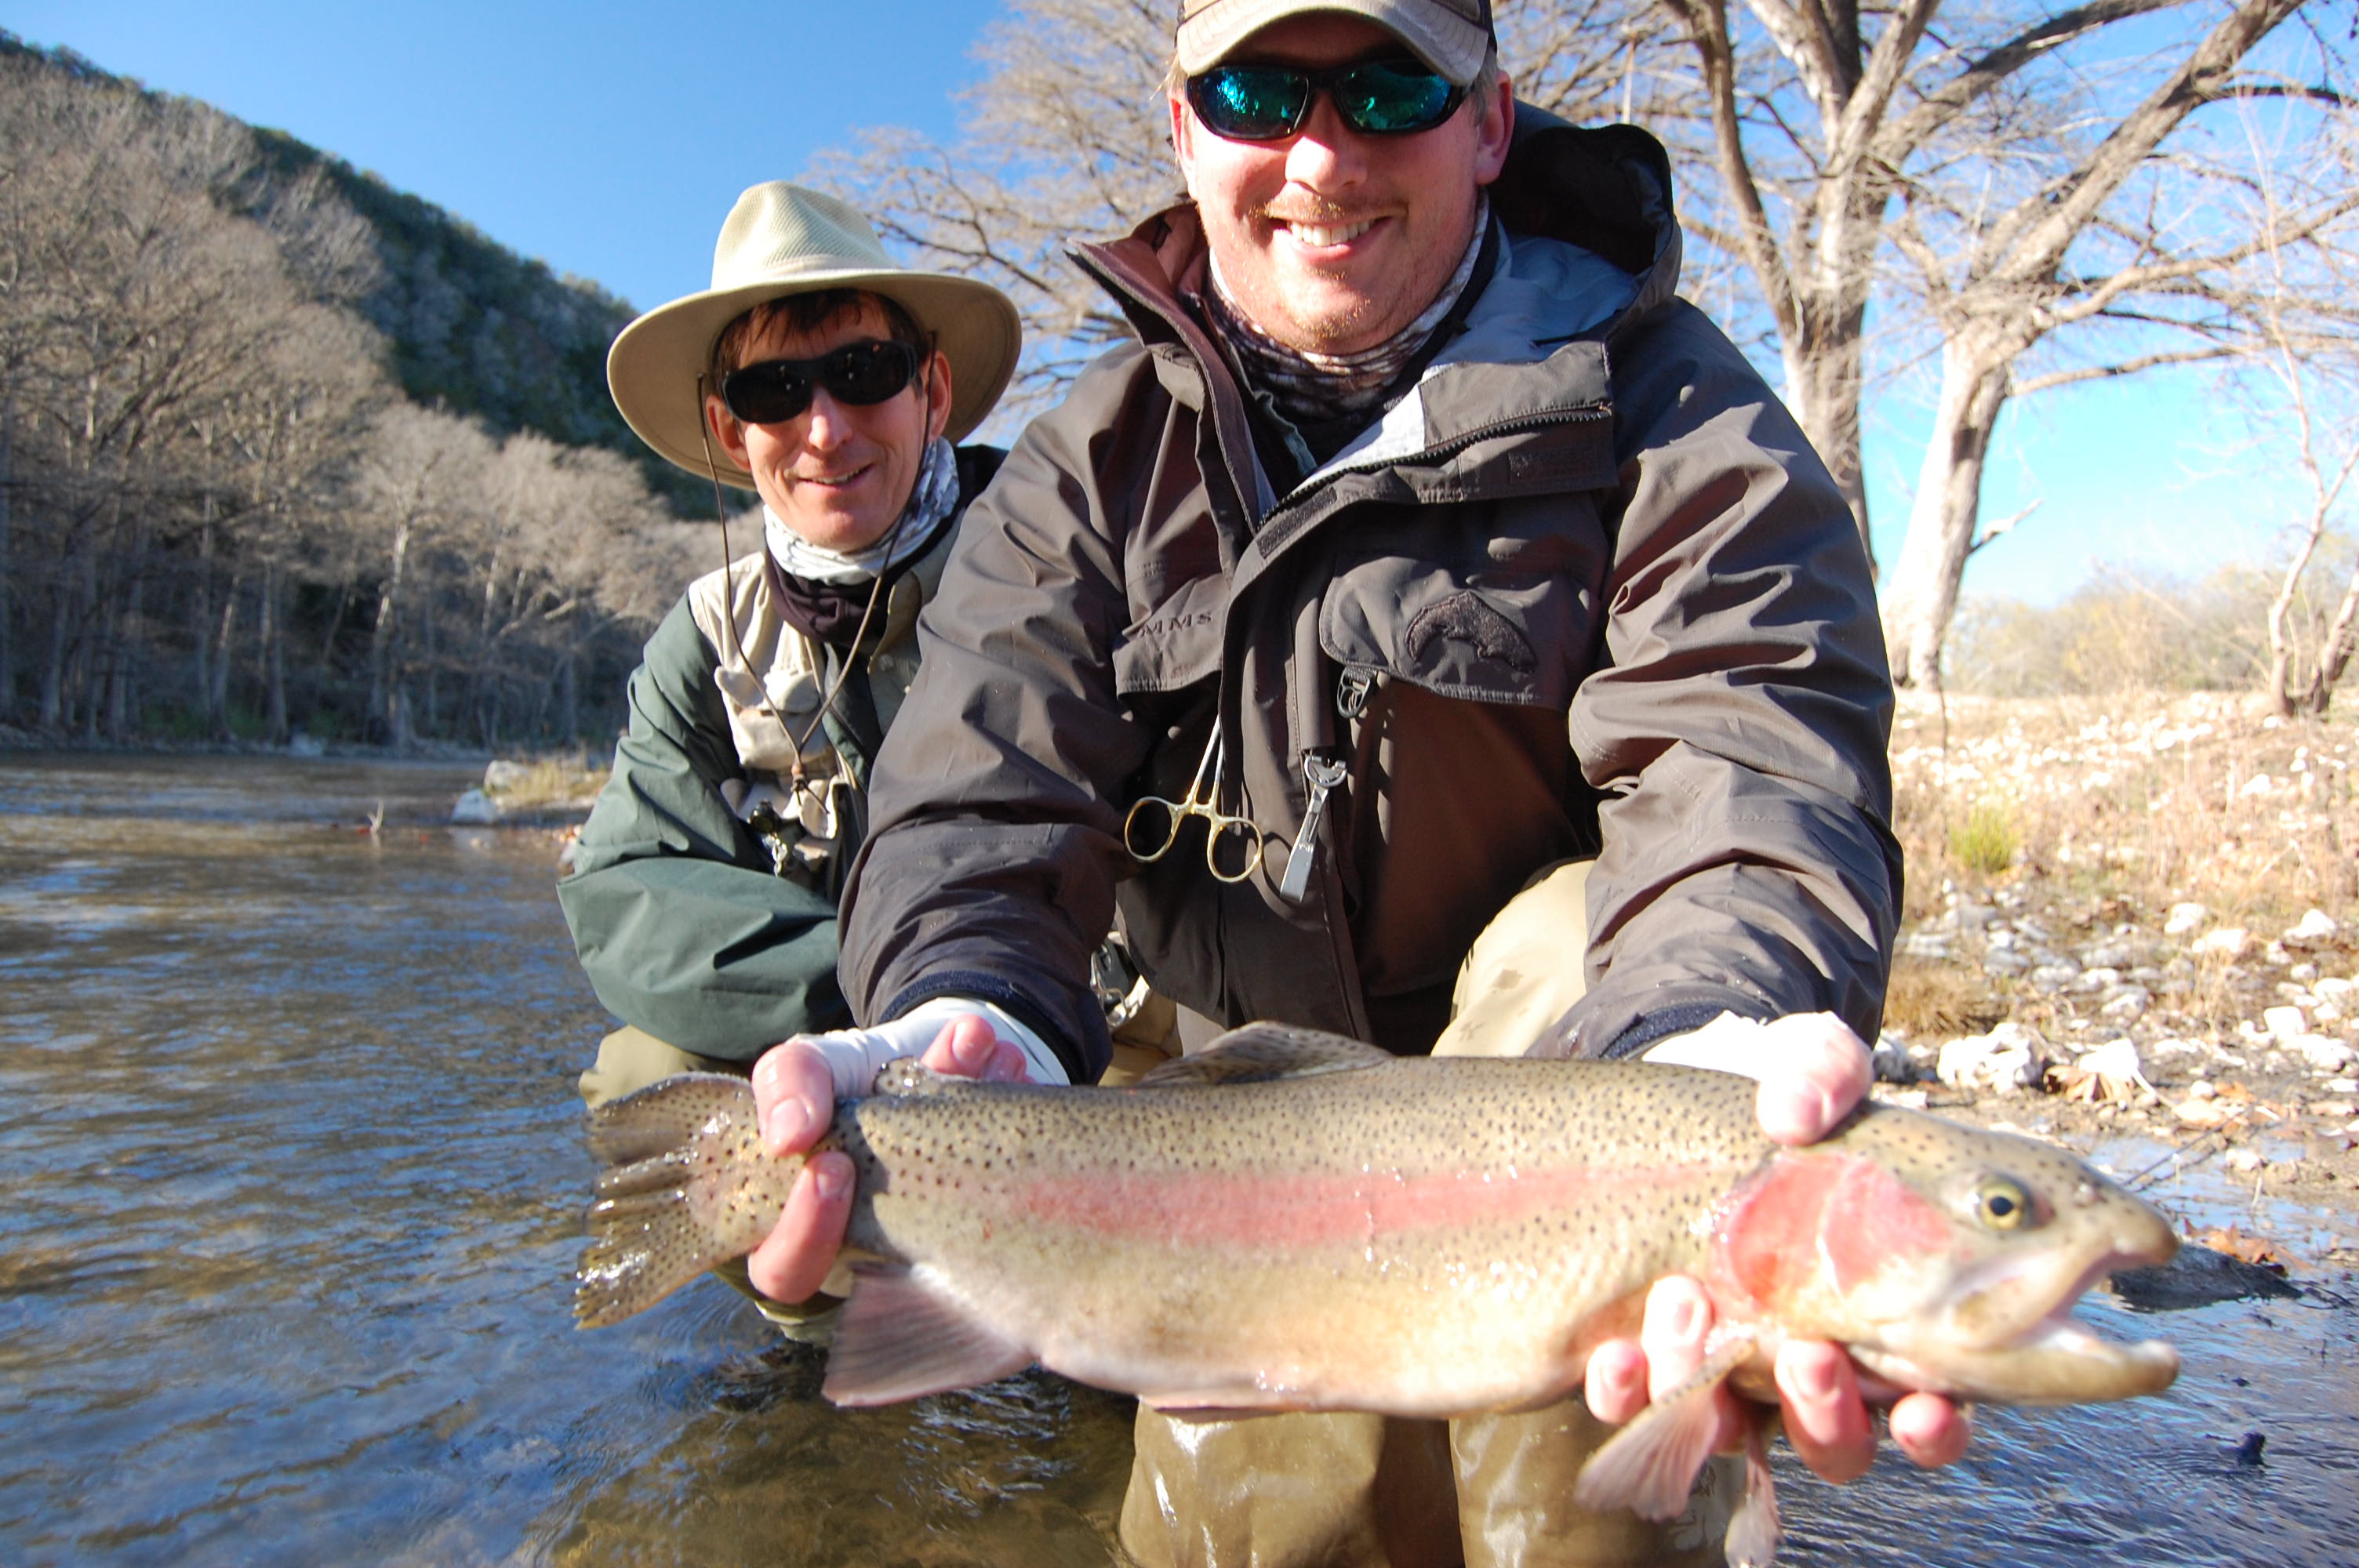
{"x": 1651, "y": 1465}
{"x": 897, "y": 1340}
{"x": 1260, "y": 1052}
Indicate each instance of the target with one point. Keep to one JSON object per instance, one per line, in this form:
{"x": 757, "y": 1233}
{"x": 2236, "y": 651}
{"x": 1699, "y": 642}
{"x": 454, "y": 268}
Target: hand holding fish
{"x": 1812, "y": 1070}
{"x": 794, "y": 1095}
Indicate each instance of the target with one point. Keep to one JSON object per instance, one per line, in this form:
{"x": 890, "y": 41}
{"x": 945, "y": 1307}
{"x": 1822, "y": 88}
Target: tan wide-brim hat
{"x": 779, "y": 240}
{"x": 1451, "y": 36}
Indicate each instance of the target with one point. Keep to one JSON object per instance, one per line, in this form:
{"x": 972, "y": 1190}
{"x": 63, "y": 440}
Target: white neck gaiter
{"x": 930, "y": 499}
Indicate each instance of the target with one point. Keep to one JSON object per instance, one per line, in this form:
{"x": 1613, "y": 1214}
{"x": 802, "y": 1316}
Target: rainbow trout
{"x": 1297, "y": 1222}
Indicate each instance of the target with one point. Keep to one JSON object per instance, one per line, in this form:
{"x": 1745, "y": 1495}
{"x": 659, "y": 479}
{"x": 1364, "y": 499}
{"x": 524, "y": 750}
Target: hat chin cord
{"x": 798, "y": 781}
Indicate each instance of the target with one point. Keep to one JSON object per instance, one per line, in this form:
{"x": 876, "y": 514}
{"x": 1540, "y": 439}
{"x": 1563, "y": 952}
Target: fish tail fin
{"x": 1651, "y": 1465}
{"x": 688, "y": 1184}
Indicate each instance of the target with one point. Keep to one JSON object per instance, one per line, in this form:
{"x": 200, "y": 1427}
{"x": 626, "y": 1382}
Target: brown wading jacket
{"x": 1584, "y": 589}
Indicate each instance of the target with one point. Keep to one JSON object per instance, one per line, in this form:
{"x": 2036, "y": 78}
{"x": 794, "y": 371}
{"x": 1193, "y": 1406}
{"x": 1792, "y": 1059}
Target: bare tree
{"x": 2306, "y": 396}
{"x": 2132, "y": 239}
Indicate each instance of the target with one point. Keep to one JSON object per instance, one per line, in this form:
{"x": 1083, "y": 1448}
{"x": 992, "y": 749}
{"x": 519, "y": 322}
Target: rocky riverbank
{"x": 2138, "y": 918}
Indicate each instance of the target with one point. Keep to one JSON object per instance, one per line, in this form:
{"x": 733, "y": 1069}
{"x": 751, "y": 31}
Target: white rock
{"x": 2114, "y": 1059}
{"x": 2184, "y": 918}
{"x": 2009, "y": 1057}
{"x": 2332, "y": 988}
{"x": 502, "y": 775}
{"x": 2285, "y": 1023}
{"x": 2126, "y": 1005}
{"x": 2303, "y": 973}
{"x": 2229, "y": 942}
{"x": 2314, "y": 926}
{"x": 2005, "y": 961}
{"x": 2053, "y": 976}
{"x": 475, "y": 809}
{"x": 2258, "y": 784}
{"x": 2323, "y": 1054}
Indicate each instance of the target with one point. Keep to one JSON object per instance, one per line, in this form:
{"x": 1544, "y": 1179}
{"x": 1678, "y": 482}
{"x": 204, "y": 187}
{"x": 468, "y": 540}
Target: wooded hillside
{"x": 283, "y": 449}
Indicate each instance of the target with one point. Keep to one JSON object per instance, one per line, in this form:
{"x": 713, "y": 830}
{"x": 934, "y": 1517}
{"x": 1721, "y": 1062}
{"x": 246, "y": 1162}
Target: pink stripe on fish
{"x": 1282, "y": 1209}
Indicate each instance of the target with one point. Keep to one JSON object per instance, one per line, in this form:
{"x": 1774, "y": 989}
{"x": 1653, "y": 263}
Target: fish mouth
{"x": 2051, "y": 1358}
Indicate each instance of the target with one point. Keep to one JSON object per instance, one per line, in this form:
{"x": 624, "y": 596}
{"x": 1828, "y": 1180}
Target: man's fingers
{"x": 794, "y": 1096}
{"x": 1674, "y": 1335}
{"x": 1814, "y": 1070}
{"x": 794, "y": 1259}
{"x": 1931, "y": 1430}
{"x": 1679, "y": 1315}
{"x": 1825, "y": 1420}
{"x": 1615, "y": 1387}
{"x": 968, "y": 1047}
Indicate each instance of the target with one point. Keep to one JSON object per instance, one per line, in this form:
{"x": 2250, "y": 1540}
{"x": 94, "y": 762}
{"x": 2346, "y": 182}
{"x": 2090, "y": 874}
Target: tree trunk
{"x": 217, "y": 694}
{"x": 274, "y": 657}
{"x": 8, "y": 577}
{"x": 569, "y": 709}
{"x": 1822, "y": 382}
{"x": 1922, "y": 594}
{"x": 62, "y": 620}
{"x": 384, "y": 677}
{"x": 201, "y": 612}
{"x": 122, "y": 704}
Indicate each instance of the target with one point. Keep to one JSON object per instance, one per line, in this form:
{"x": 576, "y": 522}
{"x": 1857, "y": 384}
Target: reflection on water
{"x": 294, "y": 1175}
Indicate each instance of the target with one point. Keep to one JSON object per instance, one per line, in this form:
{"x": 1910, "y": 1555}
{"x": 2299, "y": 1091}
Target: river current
{"x": 294, "y": 1181}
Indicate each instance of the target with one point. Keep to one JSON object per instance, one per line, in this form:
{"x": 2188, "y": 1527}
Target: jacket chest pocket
{"x": 1175, "y": 644}
{"x": 1501, "y": 611}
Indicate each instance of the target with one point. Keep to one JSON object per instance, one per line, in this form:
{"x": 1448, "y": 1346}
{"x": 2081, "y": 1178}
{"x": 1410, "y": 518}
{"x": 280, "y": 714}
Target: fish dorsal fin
{"x": 897, "y": 1340}
{"x": 1260, "y": 1052}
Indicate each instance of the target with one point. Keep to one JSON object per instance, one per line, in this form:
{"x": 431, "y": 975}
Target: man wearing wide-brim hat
{"x": 833, "y": 382}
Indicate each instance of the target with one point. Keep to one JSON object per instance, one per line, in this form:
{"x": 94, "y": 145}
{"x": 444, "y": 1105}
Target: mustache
{"x": 1320, "y": 214}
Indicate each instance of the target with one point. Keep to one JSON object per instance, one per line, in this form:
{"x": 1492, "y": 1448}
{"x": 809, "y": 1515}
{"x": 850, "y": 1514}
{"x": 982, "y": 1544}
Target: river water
{"x": 294, "y": 1178}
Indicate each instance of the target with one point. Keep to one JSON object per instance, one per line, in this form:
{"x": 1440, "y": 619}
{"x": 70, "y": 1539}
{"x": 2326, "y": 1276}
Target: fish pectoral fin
{"x": 1260, "y": 1052}
{"x": 1651, "y": 1465}
{"x": 899, "y": 1340}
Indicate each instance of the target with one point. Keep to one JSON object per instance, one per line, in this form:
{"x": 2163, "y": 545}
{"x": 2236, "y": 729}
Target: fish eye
{"x": 2002, "y": 1203}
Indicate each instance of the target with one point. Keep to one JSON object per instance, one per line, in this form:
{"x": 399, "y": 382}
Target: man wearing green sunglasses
{"x": 1425, "y": 529}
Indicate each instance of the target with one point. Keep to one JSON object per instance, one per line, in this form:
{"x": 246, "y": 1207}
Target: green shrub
{"x": 1986, "y": 842}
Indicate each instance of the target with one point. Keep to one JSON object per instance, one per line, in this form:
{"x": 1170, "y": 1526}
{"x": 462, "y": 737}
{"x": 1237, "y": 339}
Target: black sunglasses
{"x": 1375, "y": 98}
{"x": 774, "y": 391}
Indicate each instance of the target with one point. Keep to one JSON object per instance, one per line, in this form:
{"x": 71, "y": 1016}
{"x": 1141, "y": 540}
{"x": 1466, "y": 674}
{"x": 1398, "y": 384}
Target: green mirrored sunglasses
{"x": 1269, "y": 102}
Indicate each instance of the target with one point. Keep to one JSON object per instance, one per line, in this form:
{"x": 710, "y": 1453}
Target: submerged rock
{"x": 2199, "y": 1276}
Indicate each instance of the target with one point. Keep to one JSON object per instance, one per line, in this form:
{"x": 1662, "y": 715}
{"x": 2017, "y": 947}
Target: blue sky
{"x": 608, "y": 141}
